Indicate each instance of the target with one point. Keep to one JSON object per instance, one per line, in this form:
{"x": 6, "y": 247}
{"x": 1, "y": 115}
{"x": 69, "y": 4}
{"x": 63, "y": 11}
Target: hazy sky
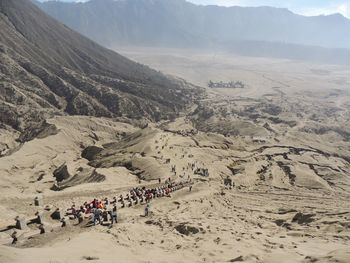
{"x": 304, "y": 7}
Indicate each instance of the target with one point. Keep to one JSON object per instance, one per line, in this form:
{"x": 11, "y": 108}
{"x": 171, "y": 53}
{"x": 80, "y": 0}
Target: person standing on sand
{"x": 190, "y": 188}
{"x": 97, "y": 216}
{"x": 63, "y": 221}
{"x": 114, "y": 216}
{"x": 14, "y": 238}
{"x": 147, "y": 209}
{"x": 80, "y": 218}
{"x": 42, "y": 229}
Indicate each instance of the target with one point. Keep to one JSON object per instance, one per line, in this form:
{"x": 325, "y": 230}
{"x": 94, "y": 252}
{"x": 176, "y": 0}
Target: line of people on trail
{"x": 100, "y": 210}
{"x": 104, "y": 210}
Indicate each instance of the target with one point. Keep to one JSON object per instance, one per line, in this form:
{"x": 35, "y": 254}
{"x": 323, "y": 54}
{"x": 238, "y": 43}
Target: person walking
{"x": 14, "y": 238}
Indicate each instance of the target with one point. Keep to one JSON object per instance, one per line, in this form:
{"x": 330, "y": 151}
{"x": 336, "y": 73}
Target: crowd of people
{"x": 106, "y": 210}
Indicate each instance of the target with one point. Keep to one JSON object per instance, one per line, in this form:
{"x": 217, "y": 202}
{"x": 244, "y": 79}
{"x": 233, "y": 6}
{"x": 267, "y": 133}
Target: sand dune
{"x": 285, "y": 149}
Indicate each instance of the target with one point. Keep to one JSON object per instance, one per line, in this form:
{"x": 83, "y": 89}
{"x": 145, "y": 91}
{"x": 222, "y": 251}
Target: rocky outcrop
{"x": 187, "y": 230}
{"x": 301, "y": 218}
{"x": 82, "y": 176}
{"x": 90, "y": 152}
{"x": 61, "y": 173}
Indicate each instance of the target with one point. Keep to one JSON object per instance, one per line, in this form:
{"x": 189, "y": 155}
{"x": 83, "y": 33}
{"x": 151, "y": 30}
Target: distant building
{"x": 227, "y": 85}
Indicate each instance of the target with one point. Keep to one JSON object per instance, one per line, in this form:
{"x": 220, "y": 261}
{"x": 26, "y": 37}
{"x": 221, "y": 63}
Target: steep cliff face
{"x": 47, "y": 68}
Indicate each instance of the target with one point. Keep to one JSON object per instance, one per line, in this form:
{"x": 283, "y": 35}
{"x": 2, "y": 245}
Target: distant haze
{"x": 302, "y": 7}
{"x": 258, "y": 31}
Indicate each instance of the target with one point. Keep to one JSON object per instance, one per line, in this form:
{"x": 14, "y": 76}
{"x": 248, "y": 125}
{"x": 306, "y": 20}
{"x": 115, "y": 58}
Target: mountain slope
{"x": 46, "y": 68}
{"x": 158, "y": 21}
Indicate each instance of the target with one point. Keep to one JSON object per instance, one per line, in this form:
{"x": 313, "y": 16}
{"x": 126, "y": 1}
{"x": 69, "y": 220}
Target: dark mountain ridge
{"x": 47, "y": 68}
